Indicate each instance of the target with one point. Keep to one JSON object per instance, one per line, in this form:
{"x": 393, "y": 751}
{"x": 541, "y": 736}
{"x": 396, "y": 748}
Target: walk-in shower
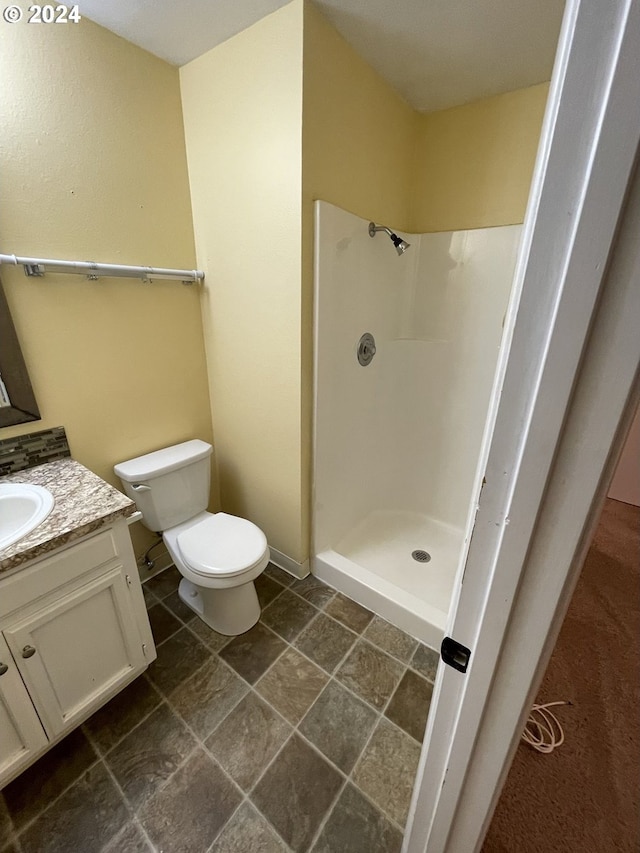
{"x": 405, "y": 353}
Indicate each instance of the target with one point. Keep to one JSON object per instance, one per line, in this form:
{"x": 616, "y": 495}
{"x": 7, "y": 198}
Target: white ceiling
{"x": 435, "y": 53}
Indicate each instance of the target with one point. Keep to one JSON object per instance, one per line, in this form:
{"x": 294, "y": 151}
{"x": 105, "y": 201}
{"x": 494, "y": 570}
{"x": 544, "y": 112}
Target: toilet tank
{"x": 170, "y": 485}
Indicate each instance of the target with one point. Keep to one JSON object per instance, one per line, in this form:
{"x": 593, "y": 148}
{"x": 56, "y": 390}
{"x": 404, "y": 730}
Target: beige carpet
{"x": 584, "y": 797}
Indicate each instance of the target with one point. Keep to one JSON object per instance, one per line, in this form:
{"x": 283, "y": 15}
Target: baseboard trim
{"x": 298, "y": 570}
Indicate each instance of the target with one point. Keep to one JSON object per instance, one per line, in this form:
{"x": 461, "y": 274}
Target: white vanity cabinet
{"x": 21, "y": 735}
{"x": 73, "y": 632}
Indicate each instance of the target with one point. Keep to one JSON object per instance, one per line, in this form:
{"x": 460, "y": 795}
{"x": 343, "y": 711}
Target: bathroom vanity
{"x": 73, "y": 624}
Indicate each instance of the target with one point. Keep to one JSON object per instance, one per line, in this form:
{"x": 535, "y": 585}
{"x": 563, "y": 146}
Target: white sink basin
{"x": 22, "y": 508}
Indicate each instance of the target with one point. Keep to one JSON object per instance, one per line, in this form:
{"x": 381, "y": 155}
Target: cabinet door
{"x": 81, "y": 646}
{"x": 21, "y": 735}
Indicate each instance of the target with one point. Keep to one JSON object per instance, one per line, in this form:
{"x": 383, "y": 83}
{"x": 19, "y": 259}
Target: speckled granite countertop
{"x": 83, "y": 503}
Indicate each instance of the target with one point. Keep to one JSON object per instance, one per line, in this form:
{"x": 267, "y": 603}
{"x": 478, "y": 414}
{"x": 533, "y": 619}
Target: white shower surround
{"x": 396, "y": 444}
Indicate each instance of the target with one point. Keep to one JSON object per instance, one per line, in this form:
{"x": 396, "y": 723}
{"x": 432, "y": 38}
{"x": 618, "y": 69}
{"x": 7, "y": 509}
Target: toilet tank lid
{"x": 162, "y": 461}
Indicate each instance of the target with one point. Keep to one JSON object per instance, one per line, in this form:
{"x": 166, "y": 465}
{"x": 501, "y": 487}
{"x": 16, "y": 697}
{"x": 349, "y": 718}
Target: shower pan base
{"x": 373, "y": 564}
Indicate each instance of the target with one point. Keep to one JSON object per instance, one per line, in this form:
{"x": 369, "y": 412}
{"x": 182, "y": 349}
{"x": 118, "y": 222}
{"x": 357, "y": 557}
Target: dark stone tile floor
{"x": 300, "y": 736}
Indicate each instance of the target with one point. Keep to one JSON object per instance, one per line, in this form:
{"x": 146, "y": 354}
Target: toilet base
{"x": 230, "y": 611}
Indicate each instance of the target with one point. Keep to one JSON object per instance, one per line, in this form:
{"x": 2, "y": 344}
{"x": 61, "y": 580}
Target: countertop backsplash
{"x": 31, "y": 449}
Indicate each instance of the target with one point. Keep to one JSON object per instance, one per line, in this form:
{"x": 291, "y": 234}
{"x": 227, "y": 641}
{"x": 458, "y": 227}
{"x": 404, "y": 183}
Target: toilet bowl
{"x": 218, "y": 555}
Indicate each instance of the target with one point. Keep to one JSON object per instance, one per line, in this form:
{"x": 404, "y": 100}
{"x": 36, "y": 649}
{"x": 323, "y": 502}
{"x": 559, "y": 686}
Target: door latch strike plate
{"x": 455, "y": 654}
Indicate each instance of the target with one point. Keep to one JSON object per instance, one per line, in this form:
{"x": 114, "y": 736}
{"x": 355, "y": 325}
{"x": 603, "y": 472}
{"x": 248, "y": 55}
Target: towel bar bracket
{"x": 33, "y": 269}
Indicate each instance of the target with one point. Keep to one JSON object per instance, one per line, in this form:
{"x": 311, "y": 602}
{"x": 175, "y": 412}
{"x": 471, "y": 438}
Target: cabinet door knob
{"x": 3, "y": 668}
{"x": 28, "y": 652}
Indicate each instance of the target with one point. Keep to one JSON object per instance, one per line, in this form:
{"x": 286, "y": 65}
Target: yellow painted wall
{"x": 473, "y": 164}
{"x": 93, "y": 168}
{"x": 282, "y": 114}
{"x": 358, "y": 133}
{"x": 93, "y": 159}
{"x": 242, "y": 105}
{"x": 357, "y": 153}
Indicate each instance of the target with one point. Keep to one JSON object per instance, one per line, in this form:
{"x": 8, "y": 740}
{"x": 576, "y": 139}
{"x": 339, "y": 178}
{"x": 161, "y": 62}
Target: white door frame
{"x": 597, "y": 423}
{"x": 547, "y": 374}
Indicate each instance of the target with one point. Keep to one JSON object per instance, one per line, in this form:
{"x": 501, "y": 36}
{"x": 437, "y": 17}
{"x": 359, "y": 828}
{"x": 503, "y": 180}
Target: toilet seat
{"x": 222, "y": 545}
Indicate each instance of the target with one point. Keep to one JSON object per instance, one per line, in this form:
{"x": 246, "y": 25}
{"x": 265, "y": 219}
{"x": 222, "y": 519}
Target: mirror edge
{"x": 14, "y": 373}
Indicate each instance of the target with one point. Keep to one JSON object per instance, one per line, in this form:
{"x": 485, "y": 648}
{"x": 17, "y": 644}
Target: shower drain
{"x": 421, "y": 556}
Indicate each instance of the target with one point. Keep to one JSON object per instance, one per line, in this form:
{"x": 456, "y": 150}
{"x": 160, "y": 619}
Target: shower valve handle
{"x": 366, "y": 349}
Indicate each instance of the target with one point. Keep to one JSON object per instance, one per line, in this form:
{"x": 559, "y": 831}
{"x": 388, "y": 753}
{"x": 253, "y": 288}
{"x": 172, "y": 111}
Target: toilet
{"x": 218, "y": 555}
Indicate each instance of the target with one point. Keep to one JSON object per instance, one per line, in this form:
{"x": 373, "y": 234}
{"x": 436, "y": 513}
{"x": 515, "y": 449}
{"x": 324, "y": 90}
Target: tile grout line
{"x": 247, "y": 794}
{"x": 362, "y": 633}
{"x": 128, "y": 807}
{"x": 215, "y": 653}
{"x": 181, "y": 622}
{"x": 291, "y": 645}
{"x": 360, "y": 636}
{"x": 227, "y": 822}
{"x": 347, "y": 778}
{"x": 333, "y": 675}
{"x": 313, "y": 619}
{"x": 295, "y": 727}
{"x": 256, "y": 809}
{"x": 103, "y": 753}
{"x": 264, "y": 773}
{"x": 52, "y": 802}
{"x": 322, "y": 609}
{"x": 375, "y": 646}
{"x": 133, "y": 822}
{"x": 380, "y": 715}
{"x": 12, "y": 837}
{"x": 100, "y": 758}
{"x": 327, "y": 814}
{"x": 200, "y": 745}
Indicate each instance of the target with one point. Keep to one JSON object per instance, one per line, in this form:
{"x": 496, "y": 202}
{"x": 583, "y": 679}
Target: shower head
{"x": 400, "y": 244}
